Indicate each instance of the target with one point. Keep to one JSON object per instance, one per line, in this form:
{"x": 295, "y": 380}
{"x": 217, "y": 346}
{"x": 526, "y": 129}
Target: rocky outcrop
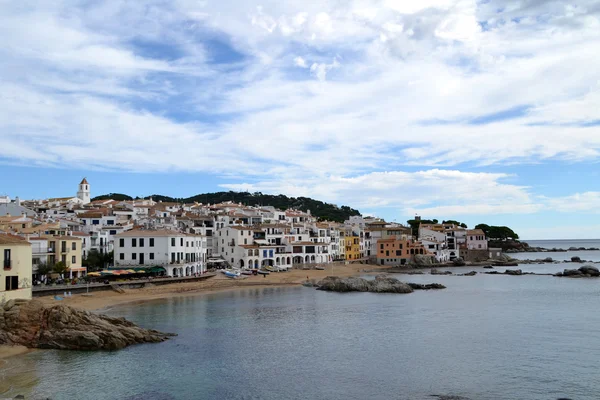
{"x": 575, "y": 259}
{"x": 437, "y": 272}
{"x": 381, "y": 284}
{"x": 459, "y": 262}
{"x": 587, "y": 271}
{"x": 422, "y": 260}
{"x": 513, "y": 272}
{"x": 29, "y": 323}
{"x": 419, "y": 286}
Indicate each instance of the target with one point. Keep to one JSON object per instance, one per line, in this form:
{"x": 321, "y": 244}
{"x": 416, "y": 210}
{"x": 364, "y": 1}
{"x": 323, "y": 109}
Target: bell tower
{"x": 84, "y": 191}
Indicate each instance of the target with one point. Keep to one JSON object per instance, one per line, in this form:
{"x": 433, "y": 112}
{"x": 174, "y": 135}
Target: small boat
{"x": 264, "y": 272}
{"x": 246, "y": 272}
{"x": 231, "y": 274}
{"x": 270, "y": 269}
{"x": 320, "y": 268}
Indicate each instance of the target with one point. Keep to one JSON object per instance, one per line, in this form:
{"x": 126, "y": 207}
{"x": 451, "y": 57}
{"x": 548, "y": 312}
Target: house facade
{"x": 16, "y": 275}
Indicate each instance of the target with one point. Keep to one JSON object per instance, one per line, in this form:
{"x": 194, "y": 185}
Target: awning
{"x": 77, "y": 268}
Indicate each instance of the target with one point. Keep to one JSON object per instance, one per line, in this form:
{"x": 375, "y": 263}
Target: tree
{"x": 414, "y": 224}
{"x": 60, "y": 268}
{"x": 44, "y": 269}
{"x": 501, "y": 233}
{"x": 96, "y": 261}
{"x": 454, "y": 222}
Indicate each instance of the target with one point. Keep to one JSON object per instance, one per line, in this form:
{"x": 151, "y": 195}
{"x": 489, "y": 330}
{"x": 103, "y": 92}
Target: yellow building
{"x": 68, "y": 250}
{"x": 352, "y": 242}
{"x": 15, "y": 256}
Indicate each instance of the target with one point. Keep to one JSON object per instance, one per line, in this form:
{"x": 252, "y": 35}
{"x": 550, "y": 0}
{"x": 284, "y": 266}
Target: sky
{"x": 481, "y": 111}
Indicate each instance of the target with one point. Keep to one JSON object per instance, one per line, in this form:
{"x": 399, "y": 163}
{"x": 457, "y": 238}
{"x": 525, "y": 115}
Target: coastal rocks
{"x": 437, "y": 272}
{"x": 575, "y": 259}
{"x": 587, "y": 271}
{"x": 381, "y": 284}
{"x": 459, "y": 262}
{"x": 513, "y": 272}
{"x": 29, "y": 323}
{"x": 472, "y": 273}
{"x": 421, "y": 260}
{"x": 419, "y": 286}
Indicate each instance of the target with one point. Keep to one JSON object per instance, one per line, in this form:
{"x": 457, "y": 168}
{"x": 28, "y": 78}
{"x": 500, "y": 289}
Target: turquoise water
{"x": 485, "y": 337}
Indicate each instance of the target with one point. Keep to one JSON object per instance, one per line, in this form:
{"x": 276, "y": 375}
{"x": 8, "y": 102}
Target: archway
{"x": 268, "y": 261}
{"x": 278, "y": 261}
{"x": 241, "y": 263}
{"x": 312, "y": 258}
{"x": 289, "y": 261}
{"x": 256, "y": 264}
{"x": 187, "y": 271}
{"x": 298, "y": 260}
{"x": 307, "y": 259}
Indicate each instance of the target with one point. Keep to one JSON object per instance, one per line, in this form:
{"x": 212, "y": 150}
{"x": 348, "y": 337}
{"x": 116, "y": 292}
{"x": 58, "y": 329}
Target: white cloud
{"x": 300, "y": 62}
{"x": 136, "y": 87}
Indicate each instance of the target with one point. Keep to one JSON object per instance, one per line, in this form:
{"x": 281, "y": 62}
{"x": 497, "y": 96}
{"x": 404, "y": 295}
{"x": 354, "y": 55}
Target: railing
{"x": 50, "y": 250}
{"x": 7, "y": 264}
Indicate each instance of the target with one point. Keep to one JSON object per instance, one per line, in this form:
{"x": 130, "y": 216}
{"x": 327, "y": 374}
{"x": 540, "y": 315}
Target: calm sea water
{"x": 485, "y": 337}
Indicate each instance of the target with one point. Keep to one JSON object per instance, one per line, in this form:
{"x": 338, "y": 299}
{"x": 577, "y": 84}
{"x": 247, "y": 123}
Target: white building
{"x": 180, "y": 254}
{"x": 83, "y": 193}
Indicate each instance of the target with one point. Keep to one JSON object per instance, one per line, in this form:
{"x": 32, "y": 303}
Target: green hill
{"x": 321, "y": 210}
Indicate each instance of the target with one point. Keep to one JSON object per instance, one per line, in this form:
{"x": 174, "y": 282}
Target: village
{"x": 54, "y": 240}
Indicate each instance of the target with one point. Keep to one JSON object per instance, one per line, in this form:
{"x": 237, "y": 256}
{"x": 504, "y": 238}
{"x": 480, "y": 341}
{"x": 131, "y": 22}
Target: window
{"x": 151, "y": 256}
{"x": 387, "y": 253}
{"x": 151, "y": 242}
{"x": 245, "y": 241}
{"x": 181, "y": 241}
{"x": 113, "y": 232}
{"x": 12, "y": 282}
{"x": 74, "y": 260}
{"x": 133, "y": 256}
{"x": 381, "y": 246}
{"x": 172, "y": 241}
{"x": 121, "y": 256}
{"x": 73, "y": 246}
{"x": 110, "y": 222}
{"x": 398, "y": 253}
{"x": 133, "y": 242}
{"x": 95, "y": 222}
{"x": 121, "y": 242}
{"x": 7, "y": 262}
{"x": 141, "y": 242}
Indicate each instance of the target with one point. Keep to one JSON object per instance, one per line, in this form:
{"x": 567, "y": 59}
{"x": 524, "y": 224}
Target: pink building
{"x": 476, "y": 240}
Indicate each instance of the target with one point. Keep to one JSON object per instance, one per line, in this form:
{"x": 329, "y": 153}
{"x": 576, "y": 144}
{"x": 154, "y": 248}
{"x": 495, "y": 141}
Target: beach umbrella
{"x": 130, "y": 271}
{"x": 94, "y": 274}
{"x": 141, "y": 271}
{"x": 105, "y": 272}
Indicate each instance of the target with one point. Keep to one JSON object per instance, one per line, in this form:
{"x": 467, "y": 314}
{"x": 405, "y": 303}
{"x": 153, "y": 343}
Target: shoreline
{"x": 106, "y": 300}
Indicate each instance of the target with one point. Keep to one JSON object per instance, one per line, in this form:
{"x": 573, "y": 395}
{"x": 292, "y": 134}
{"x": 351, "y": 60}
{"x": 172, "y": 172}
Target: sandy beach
{"x": 108, "y": 299}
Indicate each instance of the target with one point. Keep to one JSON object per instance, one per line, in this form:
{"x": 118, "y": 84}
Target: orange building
{"x": 399, "y": 250}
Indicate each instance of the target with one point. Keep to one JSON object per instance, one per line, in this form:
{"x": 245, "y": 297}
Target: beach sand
{"x": 10, "y": 351}
{"x": 107, "y": 299}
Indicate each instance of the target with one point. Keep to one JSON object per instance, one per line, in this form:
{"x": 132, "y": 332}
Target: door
{"x": 141, "y": 258}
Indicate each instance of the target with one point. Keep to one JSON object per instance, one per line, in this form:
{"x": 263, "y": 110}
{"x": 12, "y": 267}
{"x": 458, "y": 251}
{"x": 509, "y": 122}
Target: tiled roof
{"x": 7, "y": 239}
{"x": 151, "y": 233}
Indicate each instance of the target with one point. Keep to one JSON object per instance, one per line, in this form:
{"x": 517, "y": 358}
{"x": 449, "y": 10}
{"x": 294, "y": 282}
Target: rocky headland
{"x": 381, "y": 284}
{"x": 587, "y": 271}
{"x": 29, "y": 323}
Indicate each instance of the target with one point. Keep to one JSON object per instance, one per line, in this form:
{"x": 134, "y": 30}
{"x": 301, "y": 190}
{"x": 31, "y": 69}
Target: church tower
{"x": 84, "y": 191}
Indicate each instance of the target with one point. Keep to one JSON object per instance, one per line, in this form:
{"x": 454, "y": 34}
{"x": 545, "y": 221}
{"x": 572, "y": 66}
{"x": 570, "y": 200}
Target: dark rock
{"x": 459, "y": 262}
{"x": 513, "y": 272}
{"x": 472, "y": 273}
{"x": 548, "y": 259}
{"x": 381, "y": 284}
{"x": 30, "y": 324}
{"x": 437, "y": 272}
{"x": 488, "y": 267}
{"x": 492, "y": 272}
{"x": 575, "y": 259}
{"x": 572, "y": 272}
{"x": 589, "y": 270}
{"x": 418, "y": 286}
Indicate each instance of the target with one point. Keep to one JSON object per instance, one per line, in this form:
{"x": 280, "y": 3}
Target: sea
{"x": 485, "y": 337}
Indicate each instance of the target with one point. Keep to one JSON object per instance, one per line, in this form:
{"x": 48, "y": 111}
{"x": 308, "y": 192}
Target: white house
{"x": 180, "y": 254}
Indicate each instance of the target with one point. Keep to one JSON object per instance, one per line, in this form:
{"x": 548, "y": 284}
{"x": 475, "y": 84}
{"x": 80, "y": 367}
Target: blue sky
{"x": 476, "y": 111}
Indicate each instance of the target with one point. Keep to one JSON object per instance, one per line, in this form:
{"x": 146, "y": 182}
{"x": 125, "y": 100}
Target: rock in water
{"x": 381, "y": 284}
{"x": 513, "y": 272}
{"x": 29, "y": 323}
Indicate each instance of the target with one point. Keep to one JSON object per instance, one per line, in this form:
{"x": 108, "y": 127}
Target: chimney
{"x": 18, "y": 201}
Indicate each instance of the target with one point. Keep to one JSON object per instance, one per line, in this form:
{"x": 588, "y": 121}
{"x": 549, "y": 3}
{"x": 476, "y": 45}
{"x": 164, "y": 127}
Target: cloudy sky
{"x": 482, "y": 111}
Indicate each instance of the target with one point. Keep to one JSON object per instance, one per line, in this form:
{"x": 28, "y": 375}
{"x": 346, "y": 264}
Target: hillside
{"x": 319, "y": 209}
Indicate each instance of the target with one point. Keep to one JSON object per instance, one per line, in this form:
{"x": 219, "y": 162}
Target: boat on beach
{"x": 320, "y": 268}
{"x": 246, "y": 272}
{"x": 262, "y": 272}
{"x": 232, "y": 274}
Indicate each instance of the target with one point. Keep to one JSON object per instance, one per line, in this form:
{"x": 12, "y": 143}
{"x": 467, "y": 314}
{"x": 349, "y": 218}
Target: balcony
{"x": 7, "y": 264}
{"x": 50, "y": 250}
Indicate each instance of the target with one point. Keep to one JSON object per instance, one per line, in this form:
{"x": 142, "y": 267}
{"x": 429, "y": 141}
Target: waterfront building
{"x": 180, "y": 254}
{"x": 66, "y": 249}
{"x": 399, "y": 250}
{"x": 15, "y": 257}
